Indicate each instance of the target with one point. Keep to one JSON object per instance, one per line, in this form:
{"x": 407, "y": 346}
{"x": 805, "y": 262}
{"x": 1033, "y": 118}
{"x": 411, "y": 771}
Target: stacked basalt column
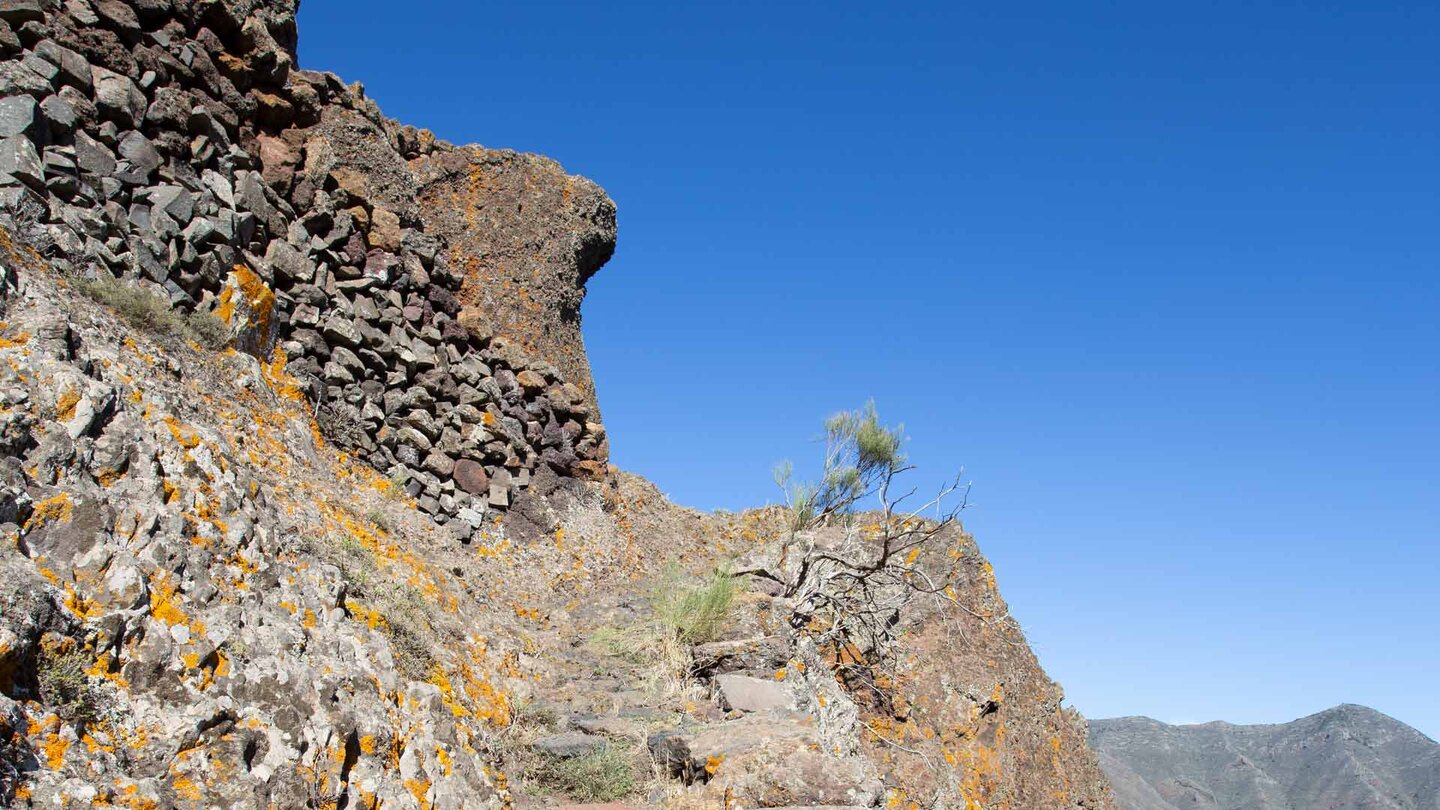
{"x": 177, "y": 147}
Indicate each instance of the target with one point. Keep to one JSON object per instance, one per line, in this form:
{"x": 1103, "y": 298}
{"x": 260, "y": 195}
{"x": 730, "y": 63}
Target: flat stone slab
{"x": 746, "y": 694}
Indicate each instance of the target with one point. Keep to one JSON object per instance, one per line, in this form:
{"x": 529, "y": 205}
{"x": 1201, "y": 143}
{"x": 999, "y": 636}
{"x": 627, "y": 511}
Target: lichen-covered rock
{"x": 340, "y": 560}
{"x": 175, "y": 146}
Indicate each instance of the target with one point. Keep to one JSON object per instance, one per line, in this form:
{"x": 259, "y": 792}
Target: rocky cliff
{"x": 426, "y": 297}
{"x": 1345, "y": 757}
{"x": 304, "y": 498}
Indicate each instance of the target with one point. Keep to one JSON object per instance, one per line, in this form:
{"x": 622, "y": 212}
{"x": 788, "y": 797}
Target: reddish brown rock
{"x": 528, "y": 237}
{"x": 471, "y": 477}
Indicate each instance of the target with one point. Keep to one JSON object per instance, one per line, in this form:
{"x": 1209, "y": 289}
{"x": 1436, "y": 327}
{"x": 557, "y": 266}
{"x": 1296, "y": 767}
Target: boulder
{"x": 144, "y": 158}
{"x": 18, "y": 79}
{"x": 385, "y": 232}
{"x": 20, "y": 115}
{"x": 19, "y": 12}
{"x": 74, "y": 69}
{"x": 470, "y": 476}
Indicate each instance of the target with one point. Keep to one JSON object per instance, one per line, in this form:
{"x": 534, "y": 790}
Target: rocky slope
{"x": 304, "y": 498}
{"x": 1346, "y": 758}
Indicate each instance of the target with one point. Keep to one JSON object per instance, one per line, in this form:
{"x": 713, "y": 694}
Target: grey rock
{"x": 342, "y": 331}
{"x": 20, "y": 115}
{"x": 117, "y": 98}
{"x": 117, "y": 15}
{"x": 218, "y": 185}
{"x": 175, "y": 201}
{"x": 746, "y": 694}
{"x": 568, "y": 744}
{"x": 144, "y": 158}
{"x": 17, "y": 79}
{"x": 439, "y": 463}
{"x": 73, "y": 69}
{"x": 93, "y": 157}
{"x": 43, "y": 68}
{"x": 19, "y": 160}
{"x": 60, "y": 113}
{"x": 17, "y": 12}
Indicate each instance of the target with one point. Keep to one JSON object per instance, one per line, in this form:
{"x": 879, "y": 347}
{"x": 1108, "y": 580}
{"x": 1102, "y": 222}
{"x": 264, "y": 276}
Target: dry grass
{"x": 682, "y": 617}
{"x": 153, "y": 314}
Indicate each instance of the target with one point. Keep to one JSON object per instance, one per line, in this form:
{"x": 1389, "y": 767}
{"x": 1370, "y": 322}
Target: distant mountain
{"x": 1345, "y": 758}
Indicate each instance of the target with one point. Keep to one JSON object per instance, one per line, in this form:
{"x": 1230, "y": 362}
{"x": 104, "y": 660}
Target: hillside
{"x": 1346, "y": 758}
{"x": 305, "y": 497}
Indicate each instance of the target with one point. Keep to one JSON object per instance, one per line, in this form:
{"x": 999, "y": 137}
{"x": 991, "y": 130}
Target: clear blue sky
{"x": 1165, "y": 281}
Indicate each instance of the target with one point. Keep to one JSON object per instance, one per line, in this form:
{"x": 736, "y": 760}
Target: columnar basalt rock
{"x": 179, "y": 148}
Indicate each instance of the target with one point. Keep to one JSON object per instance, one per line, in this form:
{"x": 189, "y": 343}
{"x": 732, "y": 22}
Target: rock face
{"x": 1346, "y": 757}
{"x": 265, "y": 357}
{"x": 522, "y": 231}
{"x": 426, "y": 297}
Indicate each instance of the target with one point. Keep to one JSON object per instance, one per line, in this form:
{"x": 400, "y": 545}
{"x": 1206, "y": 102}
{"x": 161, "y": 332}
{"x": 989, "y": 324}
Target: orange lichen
{"x": 54, "y": 746}
{"x": 65, "y": 405}
{"x": 163, "y": 606}
{"x": 59, "y": 509}
{"x": 419, "y": 788}
{"x": 712, "y": 764}
{"x": 244, "y": 286}
{"x": 186, "y": 789}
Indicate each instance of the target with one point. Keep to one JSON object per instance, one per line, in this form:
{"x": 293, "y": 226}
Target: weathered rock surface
{"x": 521, "y": 230}
{"x": 231, "y": 577}
{"x": 178, "y": 148}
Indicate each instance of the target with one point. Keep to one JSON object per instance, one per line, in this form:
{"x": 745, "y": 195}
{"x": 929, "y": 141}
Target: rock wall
{"x": 427, "y": 296}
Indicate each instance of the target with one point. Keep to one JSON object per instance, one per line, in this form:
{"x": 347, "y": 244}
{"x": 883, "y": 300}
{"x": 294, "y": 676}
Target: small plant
{"x": 63, "y": 684}
{"x": 850, "y": 579}
{"x": 695, "y": 615}
{"x": 409, "y": 646}
{"x": 357, "y": 565}
{"x": 409, "y": 627}
{"x": 207, "y": 330}
{"x": 379, "y": 521}
{"x": 395, "y": 488}
{"x": 602, "y": 776}
{"x": 683, "y": 616}
{"x": 153, "y": 314}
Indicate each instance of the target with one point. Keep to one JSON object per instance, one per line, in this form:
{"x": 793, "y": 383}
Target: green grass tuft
{"x": 603, "y": 776}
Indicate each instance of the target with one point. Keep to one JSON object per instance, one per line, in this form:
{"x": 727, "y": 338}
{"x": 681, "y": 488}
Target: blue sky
{"x": 1164, "y": 281}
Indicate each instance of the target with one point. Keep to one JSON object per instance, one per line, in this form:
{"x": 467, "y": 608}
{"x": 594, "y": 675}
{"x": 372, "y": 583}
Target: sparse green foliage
{"x": 379, "y": 520}
{"x": 64, "y": 685}
{"x": 408, "y": 624}
{"x": 861, "y": 457}
{"x": 605, "y": 775}
{"x": 395, "y": 488}
{"x": 153, "y": 314}
{"x": 694, "y": 615}
{"x": 851, "y": 578}
{"x": 410, "y": 629}
{"x": 683, "y": 616}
